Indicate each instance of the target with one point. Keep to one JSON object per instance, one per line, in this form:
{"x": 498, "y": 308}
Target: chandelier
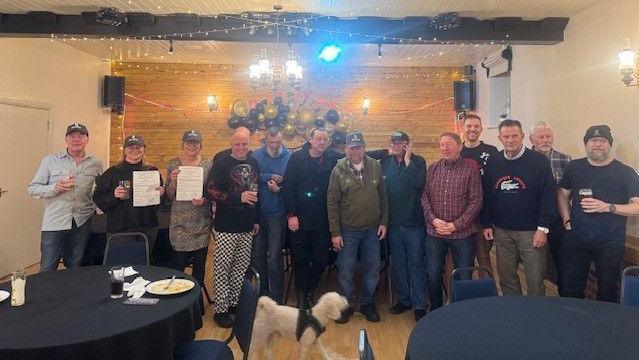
{"x": 265, "y": 76}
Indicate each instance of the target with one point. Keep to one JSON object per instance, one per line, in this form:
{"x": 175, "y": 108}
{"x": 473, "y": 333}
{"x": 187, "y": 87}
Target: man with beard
{"x": 596, "y": 196}
{"x": 233, "y": 185}
{"x": 480, "y": 152}
{"x": 542, "y": 138}
{"x": 305, "y": 184}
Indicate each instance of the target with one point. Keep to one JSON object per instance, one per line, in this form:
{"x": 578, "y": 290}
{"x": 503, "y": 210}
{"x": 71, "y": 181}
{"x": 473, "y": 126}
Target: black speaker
{"x": 464, "y": 95}
{"x": 113, "y": 93}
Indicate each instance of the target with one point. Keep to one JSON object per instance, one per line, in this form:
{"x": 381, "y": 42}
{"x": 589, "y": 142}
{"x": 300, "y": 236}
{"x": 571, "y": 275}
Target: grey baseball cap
{"x": 77, "y": 127}
{"x": 134, "y": 140}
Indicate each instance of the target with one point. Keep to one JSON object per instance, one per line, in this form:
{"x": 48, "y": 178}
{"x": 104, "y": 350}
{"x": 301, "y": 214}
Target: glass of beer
{"x": 117, "y": 282}
{"x": 585, "y": 193}
{"x": 126, "y": 184}
{"x": 18, "y": 284}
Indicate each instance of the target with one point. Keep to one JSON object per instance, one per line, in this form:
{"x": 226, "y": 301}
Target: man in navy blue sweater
{"x": 519, "y": 206}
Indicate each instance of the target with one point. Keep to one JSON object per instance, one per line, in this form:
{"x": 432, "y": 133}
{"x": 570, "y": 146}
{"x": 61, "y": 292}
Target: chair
{"x": 473, "y": 288}
{"x": 365, "y": 349}
{"x": 242, "y": 328}
{"x": 130, "y": 248}
{"x": 629, "y": 287}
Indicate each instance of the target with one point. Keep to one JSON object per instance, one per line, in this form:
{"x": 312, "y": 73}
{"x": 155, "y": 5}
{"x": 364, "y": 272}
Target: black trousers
{"x": 555, "y": 241}
{"x": 181, "y": 260}
{"x": 576, "y": 258}
{"x": 310, "y": 255}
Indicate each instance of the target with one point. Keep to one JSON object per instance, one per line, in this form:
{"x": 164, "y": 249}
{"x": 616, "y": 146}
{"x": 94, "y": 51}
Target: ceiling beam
{"x": 285, "y": 27}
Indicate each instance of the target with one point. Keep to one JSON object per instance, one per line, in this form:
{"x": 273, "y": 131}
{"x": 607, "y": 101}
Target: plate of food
{"x": 169, "y": 286}
{"x": 4, "y": 295}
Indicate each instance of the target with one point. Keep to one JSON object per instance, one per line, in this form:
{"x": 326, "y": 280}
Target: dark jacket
{"x": 404, "y": 187}
{"x": 305, "y": 188}
{"x": 121, "y": 215}
{"x": 226, "y": 182}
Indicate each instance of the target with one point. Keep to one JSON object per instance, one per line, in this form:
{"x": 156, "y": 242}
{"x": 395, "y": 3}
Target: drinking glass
{"x": 117, "y": 282}
{"x": 18, "y": 284}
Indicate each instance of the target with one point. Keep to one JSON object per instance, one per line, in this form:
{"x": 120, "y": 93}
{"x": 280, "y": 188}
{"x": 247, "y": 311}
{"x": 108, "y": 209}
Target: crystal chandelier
{"x": 265, "y": 76}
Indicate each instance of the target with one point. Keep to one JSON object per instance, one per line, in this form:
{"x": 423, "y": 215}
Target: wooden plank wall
{"x": 395, "y": 92}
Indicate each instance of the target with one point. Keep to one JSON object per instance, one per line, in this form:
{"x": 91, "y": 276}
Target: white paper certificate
{"x": 144, "y": 185}
{"x": 190, "y": 182}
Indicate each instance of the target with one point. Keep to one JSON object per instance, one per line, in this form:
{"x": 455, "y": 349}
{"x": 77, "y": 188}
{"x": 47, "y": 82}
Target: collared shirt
{"x": 453, "y": 193}
{"x": 359, "y": 174}
{"x": 60, "y": 209}
{"x": 519, "y": 154}
{"x": 558, "y": 164}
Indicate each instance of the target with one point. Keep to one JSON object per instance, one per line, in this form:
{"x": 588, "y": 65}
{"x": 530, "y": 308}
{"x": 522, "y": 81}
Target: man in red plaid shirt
{"x": 451, "y": 200}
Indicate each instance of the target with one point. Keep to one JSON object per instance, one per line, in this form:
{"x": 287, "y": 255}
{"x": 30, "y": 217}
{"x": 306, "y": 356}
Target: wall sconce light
{"x": 211, "y": 100}
{"x": 628, "y": 64}
{"x": 366, "y": 105}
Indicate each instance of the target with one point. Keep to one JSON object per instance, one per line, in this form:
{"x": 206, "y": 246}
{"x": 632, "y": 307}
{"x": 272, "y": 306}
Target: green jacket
{"x": 353, "y": 204}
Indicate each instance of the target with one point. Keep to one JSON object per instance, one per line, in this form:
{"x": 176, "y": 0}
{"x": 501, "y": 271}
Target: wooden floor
{"x": 388, "y": 337}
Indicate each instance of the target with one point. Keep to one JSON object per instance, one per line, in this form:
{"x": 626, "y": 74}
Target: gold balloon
{"x": 270, "y": 111}
{"x": 240, "y": 108}
{"x": 292, "y": 117}
{"x": 342, "y": 126}
{"x": 261, "y": 117}
{"x": 289, "y": 129}
{"x": 307, "y": 116}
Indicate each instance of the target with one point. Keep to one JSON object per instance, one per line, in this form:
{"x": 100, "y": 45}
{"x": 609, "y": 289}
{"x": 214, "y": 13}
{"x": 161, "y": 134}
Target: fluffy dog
{"x": 273, "y": 320}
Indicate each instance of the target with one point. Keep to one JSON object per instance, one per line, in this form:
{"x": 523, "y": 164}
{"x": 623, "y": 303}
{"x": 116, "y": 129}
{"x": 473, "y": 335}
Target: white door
{"x": 23, "y": 143}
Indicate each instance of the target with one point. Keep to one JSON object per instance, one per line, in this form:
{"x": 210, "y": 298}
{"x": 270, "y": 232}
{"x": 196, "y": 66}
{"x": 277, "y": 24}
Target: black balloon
{"x": 235, "y": 122}
{"x": 318, "y": 123}
{"x": 270, "y": 123}
{"x": 252, "y": 124}
{"x": 339, "y": 138}
{"x": 283, "y": 109}
{"x": 261, "y": 105}
{"x": 277, "y": 100}
{"x": 253, "y": 113}
{"x": 332, "y": 115}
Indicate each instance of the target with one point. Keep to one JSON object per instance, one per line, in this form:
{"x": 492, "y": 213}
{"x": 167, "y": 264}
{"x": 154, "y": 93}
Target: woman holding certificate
{"x": 129, "y": 193}
{"x": 191, "y": 216}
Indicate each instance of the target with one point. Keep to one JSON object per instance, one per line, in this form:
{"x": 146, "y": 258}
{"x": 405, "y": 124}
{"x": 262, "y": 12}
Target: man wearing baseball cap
{"x": 603, "y": 193}
{"x": 357, "y": 217}
{"x": 405, "y": 176}
{"x": 65, "y": 181}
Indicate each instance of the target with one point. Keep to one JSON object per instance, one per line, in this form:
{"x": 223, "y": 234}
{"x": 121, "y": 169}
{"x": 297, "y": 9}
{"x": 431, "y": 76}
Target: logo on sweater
{"x": 510, "y": 184}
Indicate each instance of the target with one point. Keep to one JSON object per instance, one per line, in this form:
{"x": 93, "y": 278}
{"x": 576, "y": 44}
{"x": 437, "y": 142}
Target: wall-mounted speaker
{"x": 464, "y": 95}
{"x": 113, "y": 93}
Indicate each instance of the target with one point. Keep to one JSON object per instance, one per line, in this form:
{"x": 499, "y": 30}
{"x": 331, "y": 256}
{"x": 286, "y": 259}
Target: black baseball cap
{"x": 134, "y": 140}
{"x": 192, "y": 135}
{"x": 77, "y": 127}
{"x": 354, "y": 139}
{"x": 399, "y": 136}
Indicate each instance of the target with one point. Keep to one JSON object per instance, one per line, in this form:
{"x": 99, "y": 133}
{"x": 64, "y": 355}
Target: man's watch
{"x": 612, "y": 208}
{"x": 544, "y": 230}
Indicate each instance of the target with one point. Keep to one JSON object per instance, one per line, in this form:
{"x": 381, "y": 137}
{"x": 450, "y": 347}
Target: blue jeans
{"x": 463, "y": 251}
{"x": 367, "y": 242}
{"x": 63, "y": 244}
{"x": 409, "y": 264}
{"x": 266, "y": 257}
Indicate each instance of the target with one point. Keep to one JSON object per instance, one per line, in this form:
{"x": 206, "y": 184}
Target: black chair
{"x": 473, "y": 288}
{"x": 130, "y": 248}
{"x": 242, "y": 328}
{"x": 365, "y": 349}
{"x": 629, "y": 287}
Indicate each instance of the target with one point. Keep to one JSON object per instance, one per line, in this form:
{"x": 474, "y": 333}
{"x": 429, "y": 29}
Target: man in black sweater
{"x": 304, "y": 188}
{"x": 232, "y": 184}
{"x": 519, "y": 206}
{"x": 596, "y": 196}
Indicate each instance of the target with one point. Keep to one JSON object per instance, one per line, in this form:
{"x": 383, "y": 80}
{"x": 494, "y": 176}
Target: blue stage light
{"x": 330, "y": 52}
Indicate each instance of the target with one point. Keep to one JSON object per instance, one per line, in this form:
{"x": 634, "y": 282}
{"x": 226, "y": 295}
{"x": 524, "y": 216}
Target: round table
{"x": 69, "y": 314}
{"x": 527, "y": 327}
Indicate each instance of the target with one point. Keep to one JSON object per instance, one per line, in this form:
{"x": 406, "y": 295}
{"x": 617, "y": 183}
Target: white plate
{"x": 177, "y": 287}
{"x": 4, "y": 295}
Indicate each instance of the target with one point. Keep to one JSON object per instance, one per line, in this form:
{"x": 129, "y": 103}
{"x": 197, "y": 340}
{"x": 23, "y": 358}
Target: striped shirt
{"x": 453, "y": 193}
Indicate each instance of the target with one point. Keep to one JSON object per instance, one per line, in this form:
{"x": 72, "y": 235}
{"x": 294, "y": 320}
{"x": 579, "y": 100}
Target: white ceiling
{"x": 218, "y": 52}
{"x": 528, "y": 9}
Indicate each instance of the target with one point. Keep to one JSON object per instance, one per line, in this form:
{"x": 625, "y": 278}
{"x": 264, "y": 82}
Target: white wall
{"x": 576, "y": 83}
{"x": 43, "y": 71}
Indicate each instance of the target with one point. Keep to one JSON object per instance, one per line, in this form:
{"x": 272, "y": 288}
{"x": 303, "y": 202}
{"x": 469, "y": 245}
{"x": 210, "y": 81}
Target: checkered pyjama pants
{"x": 232, "y": 259}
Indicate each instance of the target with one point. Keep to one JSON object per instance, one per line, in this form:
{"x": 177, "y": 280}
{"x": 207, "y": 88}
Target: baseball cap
{"x": 77, "y": 127}
{"x": 354, "y": 139}
{"x": 134, "y": 140}
{"x": 399, "y": 136}
{"x": 192, "y": 135}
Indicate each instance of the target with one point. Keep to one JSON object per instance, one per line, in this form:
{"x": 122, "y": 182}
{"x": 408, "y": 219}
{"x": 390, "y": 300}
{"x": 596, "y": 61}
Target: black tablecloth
{"x": 527, "y": 327}
{"x": 68, "y": 314}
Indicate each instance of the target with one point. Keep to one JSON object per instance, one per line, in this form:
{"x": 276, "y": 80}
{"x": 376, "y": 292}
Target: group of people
{"x": 520, "y": 199}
